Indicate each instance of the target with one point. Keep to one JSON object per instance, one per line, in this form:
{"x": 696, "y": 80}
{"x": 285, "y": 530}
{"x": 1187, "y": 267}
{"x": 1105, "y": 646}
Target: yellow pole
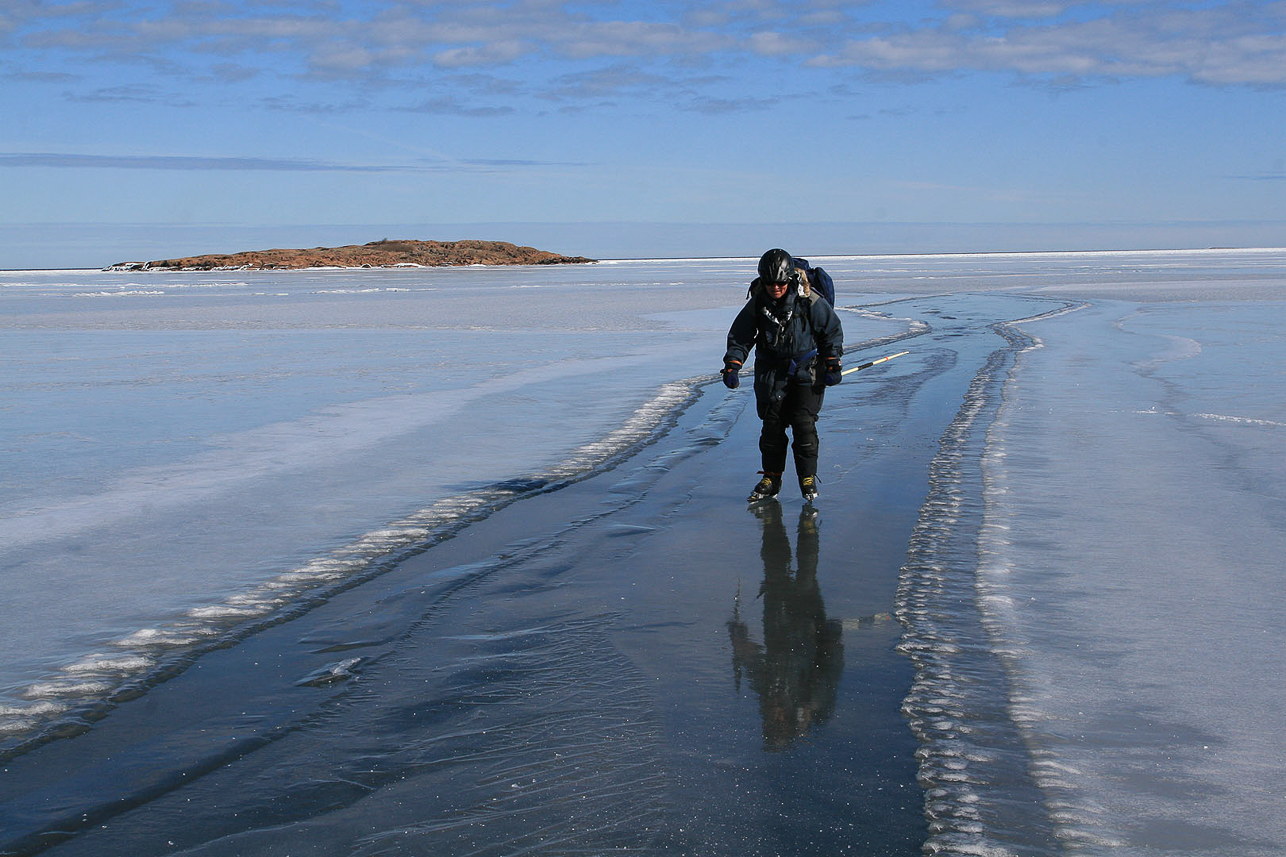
{"x": 873, "y": 362}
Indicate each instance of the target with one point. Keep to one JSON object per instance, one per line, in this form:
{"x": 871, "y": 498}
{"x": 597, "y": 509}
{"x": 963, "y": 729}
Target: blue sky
{"x": 140, "y": 130}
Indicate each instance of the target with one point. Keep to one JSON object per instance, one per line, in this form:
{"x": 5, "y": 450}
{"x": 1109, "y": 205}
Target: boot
{"x": 767, "y": 487}
{"x": 808, "y": 488}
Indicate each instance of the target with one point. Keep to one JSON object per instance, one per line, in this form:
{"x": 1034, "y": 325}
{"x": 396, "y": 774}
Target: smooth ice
{"x": 174, "y": 441}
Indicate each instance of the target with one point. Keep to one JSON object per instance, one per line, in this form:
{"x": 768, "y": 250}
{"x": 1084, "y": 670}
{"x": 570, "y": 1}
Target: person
{"x": 798, "y": 342}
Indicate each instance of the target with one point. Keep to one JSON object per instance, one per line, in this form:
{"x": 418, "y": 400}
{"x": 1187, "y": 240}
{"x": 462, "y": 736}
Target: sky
{"x": 139, "y": 130}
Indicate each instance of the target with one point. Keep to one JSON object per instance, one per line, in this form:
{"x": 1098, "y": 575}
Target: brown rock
{"x": 377, "y": 254}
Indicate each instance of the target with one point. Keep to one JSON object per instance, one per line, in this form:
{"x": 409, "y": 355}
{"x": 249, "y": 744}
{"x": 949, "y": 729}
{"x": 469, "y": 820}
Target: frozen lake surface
{"x": 186, "y": 453}
{"x": 1091, "y": 599}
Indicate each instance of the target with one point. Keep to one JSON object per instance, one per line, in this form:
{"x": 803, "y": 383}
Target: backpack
{"x": 818, "y": 280}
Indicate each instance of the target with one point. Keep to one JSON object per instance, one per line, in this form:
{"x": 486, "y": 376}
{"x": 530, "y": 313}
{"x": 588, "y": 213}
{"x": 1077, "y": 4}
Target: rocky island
{"x": 377, "y": 254}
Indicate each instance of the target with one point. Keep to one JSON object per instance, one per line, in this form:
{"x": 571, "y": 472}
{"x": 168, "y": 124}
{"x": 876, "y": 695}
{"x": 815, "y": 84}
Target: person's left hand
{"x": 833, "y": 375}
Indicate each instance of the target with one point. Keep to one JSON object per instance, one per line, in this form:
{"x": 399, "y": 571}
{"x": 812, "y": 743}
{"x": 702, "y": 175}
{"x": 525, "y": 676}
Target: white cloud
{"x": 490, "y": 54}
{"x": 634, "y": 38}
{"x": 1011, "y": 8}
{"x": 714, "y": 106}
{"x": 773, "y": 44}
{"x": 452, "y": 106}
{"x": 605, "y": 83}
{"x": 1225, "y": 44}
{"x": 1220, "y": 45}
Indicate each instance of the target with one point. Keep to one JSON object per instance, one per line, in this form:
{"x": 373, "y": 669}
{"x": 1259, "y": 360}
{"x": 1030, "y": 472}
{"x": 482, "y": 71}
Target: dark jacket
{"x": 791, "y": 338}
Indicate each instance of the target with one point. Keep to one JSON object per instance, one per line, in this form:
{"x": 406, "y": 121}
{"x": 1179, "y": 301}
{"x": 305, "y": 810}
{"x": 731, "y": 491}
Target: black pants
{"x": 796, "y": 411}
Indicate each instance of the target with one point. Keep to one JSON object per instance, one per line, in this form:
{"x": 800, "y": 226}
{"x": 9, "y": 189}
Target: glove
{"x": 731, "y": 379}
{"x": 833, "y": 375}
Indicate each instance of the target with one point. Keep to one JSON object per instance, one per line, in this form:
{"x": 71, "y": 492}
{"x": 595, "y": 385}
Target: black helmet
{"x": 776, "y": 266}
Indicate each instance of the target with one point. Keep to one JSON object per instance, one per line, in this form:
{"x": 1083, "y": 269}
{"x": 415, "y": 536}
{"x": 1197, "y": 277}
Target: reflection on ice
{"x": 796, "y": 670}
